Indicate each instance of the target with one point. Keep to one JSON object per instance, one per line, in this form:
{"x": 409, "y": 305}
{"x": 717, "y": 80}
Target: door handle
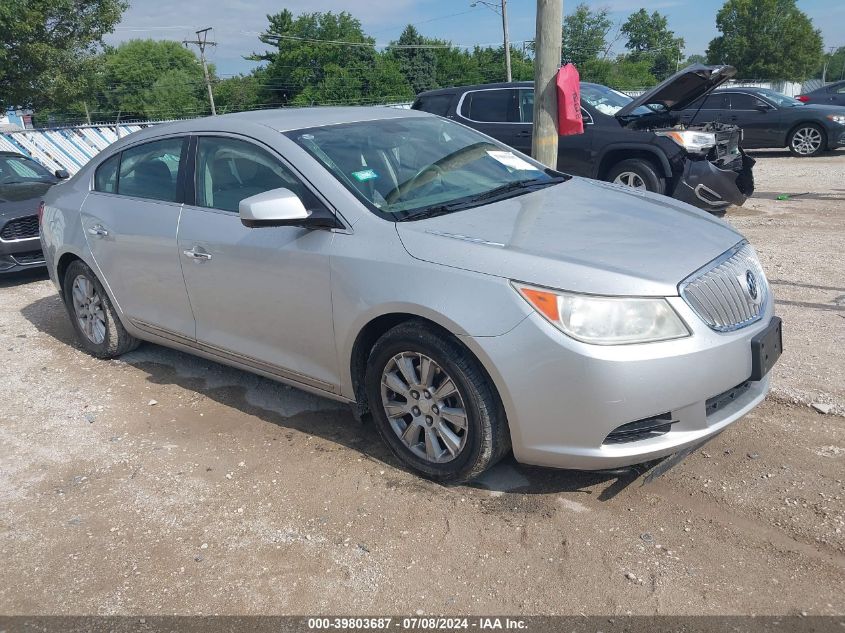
{"x": 523, "y": 133}
{"x": 98, "y": 231}
{"x": 200, "y": 256}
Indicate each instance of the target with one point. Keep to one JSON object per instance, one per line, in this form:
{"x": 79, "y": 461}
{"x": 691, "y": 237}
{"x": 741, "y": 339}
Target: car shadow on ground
{"x": 291, "y": 409}
{"x": 10, "y": 280}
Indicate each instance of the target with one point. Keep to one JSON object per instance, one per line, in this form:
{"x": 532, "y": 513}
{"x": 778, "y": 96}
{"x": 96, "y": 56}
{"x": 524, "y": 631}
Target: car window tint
{"x": 741, "y": 101}
{"x": 492, "y": 106}
{"x": 841, "y": 89}
{"x": 229, "y": 170}
{"x": 150, "y": 170}
{"x": 710, "y": 102}
{"x": 105, "y": 178}
{"x": 526, "y": 106}
{"x": 436, "y": 104}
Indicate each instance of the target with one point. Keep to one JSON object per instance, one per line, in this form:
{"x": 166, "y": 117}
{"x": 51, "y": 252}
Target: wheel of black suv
{"x": 808, "y": 139}
{"x": 93, "y": 317}
{"x": 638, "y": 174}
{"x": 433, "y": 404}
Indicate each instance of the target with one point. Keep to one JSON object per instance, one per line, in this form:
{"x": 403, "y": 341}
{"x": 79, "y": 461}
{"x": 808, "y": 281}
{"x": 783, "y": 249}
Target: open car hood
{"x": 680, "y": 90}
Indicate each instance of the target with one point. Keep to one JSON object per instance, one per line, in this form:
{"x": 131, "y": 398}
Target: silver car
{"x": 470, "y": 299}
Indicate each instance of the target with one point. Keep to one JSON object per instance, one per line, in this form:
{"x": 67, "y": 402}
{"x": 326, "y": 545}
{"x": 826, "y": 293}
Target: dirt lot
{"x": 234, "y": 495}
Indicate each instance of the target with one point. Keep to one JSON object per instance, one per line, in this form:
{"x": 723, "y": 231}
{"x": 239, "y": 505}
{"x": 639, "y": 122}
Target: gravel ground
{"x": 161, "y": 483}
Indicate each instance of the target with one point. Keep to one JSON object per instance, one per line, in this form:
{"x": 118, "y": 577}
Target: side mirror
{"x": 62, "y": 174}
{"x": 281, "y": 207}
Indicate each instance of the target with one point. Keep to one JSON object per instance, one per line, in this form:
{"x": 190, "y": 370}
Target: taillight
{"x": 40, "y": 212}
{"x": 803, "y": 98}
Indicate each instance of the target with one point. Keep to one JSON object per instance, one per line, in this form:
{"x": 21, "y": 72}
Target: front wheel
{"x": 433, "y": 405}
{"x": 637, "y": 174}
{"x": 807, "y": 140}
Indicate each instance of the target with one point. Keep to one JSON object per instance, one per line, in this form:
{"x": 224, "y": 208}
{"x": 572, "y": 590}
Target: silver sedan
{"x": 473, "y": 301}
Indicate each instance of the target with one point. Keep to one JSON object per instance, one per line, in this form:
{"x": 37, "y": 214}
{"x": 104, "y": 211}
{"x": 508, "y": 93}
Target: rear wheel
{"x": 433, "y": 404}
{"x": 637, "y": 174}
{"x": 808, "y": 139}
{"x": 93, "y": 317}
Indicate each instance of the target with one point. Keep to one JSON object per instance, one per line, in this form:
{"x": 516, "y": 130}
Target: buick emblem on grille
{"x": 750, "y": 287}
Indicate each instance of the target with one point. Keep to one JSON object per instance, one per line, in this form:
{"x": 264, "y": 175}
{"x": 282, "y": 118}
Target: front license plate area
{"x": 766, "y": 348}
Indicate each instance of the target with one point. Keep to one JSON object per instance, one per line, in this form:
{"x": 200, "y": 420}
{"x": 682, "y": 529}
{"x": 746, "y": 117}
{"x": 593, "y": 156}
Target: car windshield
{"x": 401, "y": 168}
{"x": 780, "y": 100}
{"x": 19, "y": 169}
{"x": 607, "y": 100}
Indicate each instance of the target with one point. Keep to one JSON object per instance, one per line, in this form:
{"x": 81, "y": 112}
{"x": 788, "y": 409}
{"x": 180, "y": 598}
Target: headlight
{"x": 837, "y": 118}
{"x": 606, "y": 320}
{"x": 690, "y": 140}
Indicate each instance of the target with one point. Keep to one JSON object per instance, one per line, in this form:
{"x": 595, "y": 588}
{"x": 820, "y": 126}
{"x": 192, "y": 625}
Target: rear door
{"x": 261, "y": 295}
{"x": 762, "y": 123}
{"x": 495, "y": 112}
{"x": 130, "y": 221}
{"x": 714, "y": 107}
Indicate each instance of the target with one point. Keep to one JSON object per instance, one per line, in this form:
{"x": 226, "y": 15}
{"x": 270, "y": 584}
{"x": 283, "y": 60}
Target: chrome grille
{"x": 723, "y": 292}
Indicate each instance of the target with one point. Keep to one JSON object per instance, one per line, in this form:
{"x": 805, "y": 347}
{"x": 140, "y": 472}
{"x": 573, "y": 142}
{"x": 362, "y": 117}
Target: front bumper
{"x": 569, "y": 397}
{"x": 712, "y": 187}
{"x": 18, "y": 255}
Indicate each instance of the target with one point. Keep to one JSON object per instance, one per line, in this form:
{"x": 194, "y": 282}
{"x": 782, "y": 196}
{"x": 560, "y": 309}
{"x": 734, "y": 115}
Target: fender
{"x": 640, "y": 147}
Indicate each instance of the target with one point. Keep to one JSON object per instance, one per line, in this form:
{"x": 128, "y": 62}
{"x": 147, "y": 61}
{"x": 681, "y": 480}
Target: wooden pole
{"x": 546, "y": 63}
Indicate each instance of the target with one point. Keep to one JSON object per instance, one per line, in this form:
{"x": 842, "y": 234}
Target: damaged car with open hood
{"x": 639, "y": 142}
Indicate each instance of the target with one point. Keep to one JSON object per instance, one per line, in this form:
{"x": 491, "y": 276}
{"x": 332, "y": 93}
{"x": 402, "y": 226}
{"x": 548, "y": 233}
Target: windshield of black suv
{"x": 410, "y": 167}
{"x": 19, "y": 169}
{"x": 781, "y": 101}
{"x": 607, "y": 100}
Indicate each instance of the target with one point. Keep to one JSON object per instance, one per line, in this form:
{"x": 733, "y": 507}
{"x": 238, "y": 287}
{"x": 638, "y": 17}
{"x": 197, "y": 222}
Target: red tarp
{"x": 569, "y": 119}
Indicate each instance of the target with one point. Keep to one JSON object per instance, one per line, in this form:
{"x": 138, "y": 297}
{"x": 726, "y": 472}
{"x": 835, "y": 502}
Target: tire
{"x": 637, "y": 170}
{"x": 103, "y": 335}
{"x": 807, "y": 140}
{"x": 452, "y": 454}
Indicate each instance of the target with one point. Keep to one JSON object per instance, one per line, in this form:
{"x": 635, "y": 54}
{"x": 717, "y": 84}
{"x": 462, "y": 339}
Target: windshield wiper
{"x": 497, "y": 192}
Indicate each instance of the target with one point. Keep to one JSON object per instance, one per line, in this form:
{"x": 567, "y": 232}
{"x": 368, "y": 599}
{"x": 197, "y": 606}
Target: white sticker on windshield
{"x": 511, "y": 160}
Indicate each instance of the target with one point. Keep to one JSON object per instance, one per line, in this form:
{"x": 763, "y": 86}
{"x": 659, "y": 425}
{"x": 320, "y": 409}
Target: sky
{"x": 236, "y": 23}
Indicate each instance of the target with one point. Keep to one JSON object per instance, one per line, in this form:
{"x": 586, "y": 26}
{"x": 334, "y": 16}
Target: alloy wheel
{"x": 424, "y": 407}
{"x": 630, "y": 179}
{"x": 806, "y": 141}
{"x": 88, "y": 307}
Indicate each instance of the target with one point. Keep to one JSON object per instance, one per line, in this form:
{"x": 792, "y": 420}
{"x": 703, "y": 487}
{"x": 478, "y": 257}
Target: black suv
{"x": 639, "y": 142}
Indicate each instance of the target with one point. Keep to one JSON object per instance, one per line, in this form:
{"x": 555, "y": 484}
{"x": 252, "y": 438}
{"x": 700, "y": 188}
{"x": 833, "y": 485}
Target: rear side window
{"x": 436, "y": 104}
{"x": 150, "y": 170}
{"x": 841, "y": 89}
{"x": 491, "y": 106}
{"x": 105, "y": 178}
{"x": 741, "y": 101}
{"x": 711, "y": 102}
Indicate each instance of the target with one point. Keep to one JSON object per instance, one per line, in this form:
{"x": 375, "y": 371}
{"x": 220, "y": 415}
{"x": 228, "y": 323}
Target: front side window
{"x": 229, "y": 170}
{"x": 409, "y": 166}
{"x": 150, "y": 170}
{"x": 742, "y": 101}
{"x": 490, "y": 106}
{"x": 526, "y": 106}
{"x": 19, "y": 169}
{"x": 105, "y": 178}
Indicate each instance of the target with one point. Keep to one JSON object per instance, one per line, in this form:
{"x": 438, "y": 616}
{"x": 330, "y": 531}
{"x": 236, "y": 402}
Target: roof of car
{"x": 511, "y": 84}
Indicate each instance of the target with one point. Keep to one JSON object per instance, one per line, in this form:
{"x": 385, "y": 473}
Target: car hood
{"x": 22, "y": 198}
{"x": 681, "y": 90}
{"x": 581, "y": 235}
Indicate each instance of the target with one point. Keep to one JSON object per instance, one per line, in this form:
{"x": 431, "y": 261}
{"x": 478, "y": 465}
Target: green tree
{"x": 835, "y": 62}
{"x": 46, "y": 46}
{"x": 766, "y": 39}
{"x": 649, "y": 37}
{"x": 152, "y": 79}
{"x": 418, "y": 65}
{"x": 696, "y": 59}
{"x": 326, "y": 58}
{"x": 239, "y": 93}
{"x": 585, "y": 35}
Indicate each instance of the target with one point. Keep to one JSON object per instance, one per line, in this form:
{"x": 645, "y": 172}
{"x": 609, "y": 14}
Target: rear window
{"x": 435, "y": 104}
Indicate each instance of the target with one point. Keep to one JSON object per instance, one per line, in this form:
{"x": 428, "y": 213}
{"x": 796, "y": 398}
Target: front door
{"x": 261, "y": 295}
{"x": 130, "y": 221}
{"x": 762, "y": 124}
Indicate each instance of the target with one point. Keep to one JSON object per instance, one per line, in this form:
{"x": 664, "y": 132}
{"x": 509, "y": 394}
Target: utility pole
{"x": 547, "y": 49}
{"x": 202, "y": 42}
{"x": 501, "y": 8}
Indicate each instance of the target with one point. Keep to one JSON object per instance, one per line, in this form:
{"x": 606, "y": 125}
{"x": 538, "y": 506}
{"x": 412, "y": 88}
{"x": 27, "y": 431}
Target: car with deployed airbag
{"x": 465, "y": 297}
